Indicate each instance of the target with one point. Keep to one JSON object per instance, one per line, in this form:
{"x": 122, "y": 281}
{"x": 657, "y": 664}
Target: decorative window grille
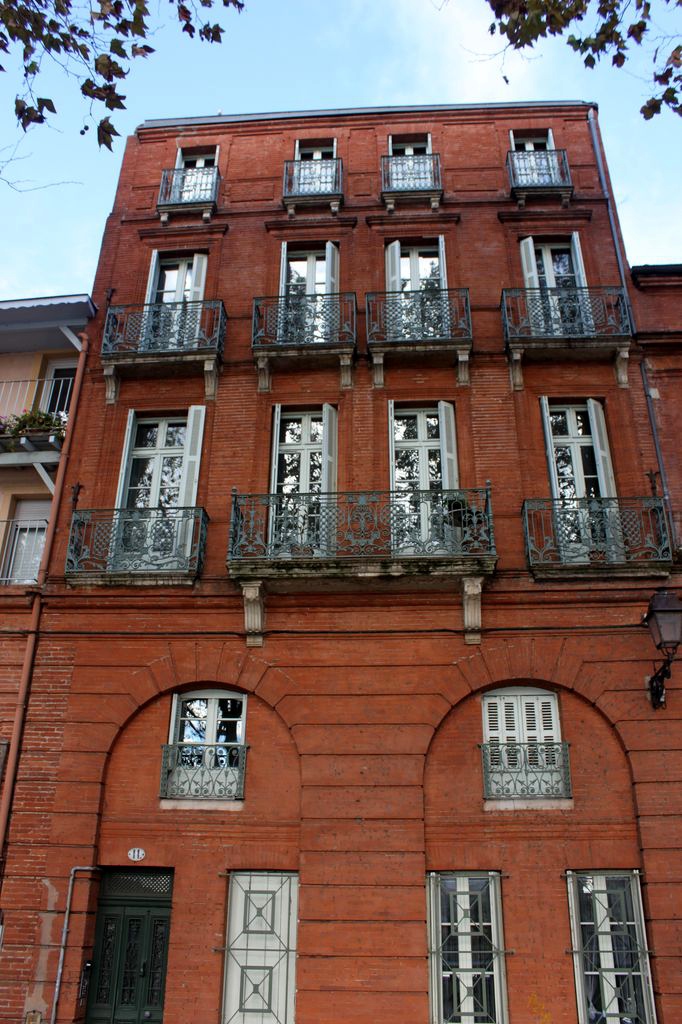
{"x": 206, "y": 756}
{"x": 610, "y": 955}
{"x": 261, "y": 948}
{"x": 466, "y": 949}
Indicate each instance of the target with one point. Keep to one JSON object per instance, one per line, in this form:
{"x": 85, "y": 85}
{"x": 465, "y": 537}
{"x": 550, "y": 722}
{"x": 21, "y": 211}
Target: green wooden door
{"x": 129, "y": 964}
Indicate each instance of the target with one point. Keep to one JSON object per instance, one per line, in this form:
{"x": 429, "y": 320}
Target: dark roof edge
{"x": 186, "y": 122}
{"x": 656, "y": 270}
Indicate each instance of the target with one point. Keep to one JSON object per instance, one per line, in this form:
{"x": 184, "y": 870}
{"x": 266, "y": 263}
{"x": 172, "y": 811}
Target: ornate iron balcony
{"x": 310, "y": 178}
{"x": 539, "y": 170}
{"x": 411, "y": 173}
{"x": 203, "y": 771}
{"x": 188, "y": 186}
{"x": 430, "y": 315}
{"x": 361, "y": 525}
{"x": 23, "y": 541}
{"x": 596, "y": 532}
{"x": 535, "y": 313}
{"x": 526, "y": 771}
{"x": 304, "y": 320}
{"x": 165, "y": 328}
{"x": 120, "y": 542}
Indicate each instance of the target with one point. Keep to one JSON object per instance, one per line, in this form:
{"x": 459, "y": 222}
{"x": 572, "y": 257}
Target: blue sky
{"x": 309, "y": 54}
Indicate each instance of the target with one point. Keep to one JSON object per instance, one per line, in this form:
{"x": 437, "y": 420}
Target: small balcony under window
{"x": 203, "y": 771}
{"x": 147, "y": 339}
{"x": 411, "y": 177}
{"x": 539, "y": 172}
{"x": 188, "y": 188}
{"x": 429, "y": 320}
{"x": 603, "y": 536}
{"x": 308, "y": 329}
{"x": 312, "y": 182}
{"x": 123, "y": 545}
{"x": 526, "y": 771}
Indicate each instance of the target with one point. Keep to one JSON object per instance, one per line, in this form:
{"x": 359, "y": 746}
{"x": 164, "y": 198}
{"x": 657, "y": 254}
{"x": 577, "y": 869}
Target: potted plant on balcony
{"x": 42, "y": 428}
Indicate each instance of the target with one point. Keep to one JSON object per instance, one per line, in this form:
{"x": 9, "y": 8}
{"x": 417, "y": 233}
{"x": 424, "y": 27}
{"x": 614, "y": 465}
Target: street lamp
{"x": 664, "y": 621}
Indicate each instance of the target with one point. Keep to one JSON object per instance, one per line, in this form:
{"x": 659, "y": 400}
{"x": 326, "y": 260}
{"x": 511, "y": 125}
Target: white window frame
{"x": 262, "y": 917}
{"x": 331, "y": 268}
{"x": 198, "y": 261}
{"x": 213, "y": 696}
{"x": 50, "y": 384}
{"x": 523, "y": 715}
{"x": 195, "y": 419}
{"x": 314, "y": 150}
{"x": 605, "y": 948}
{"x": 464, "y": 934}
{"x": 599, "y": 443}
{"x": 29, "y": 520}
{"x": 447, "y": 437}
{"x": 209, "y": 768}
{"x": 529, "y": 139}
{"x": 405, "y": 143}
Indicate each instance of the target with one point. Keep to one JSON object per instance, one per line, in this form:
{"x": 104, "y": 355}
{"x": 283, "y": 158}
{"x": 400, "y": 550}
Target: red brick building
{"x": 340, "y": 700}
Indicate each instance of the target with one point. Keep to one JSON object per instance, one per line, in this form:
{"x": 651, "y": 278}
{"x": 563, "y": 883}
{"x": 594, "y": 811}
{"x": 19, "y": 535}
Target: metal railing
{"x": 411, "y": 173}
{"x": 23, "y": 541}
{"x": 182, "y": 186}
{"x": 596, "y": 531}
{"x": 539, "y": 169}
{"x": 137, "y": 541}
{"x": 304, "y": 320}
{"x": 433, "y": 314}
{"x": 167, "y": 328}
{"x": 362, "y": 524}
{"x": 312, "y": 178}
{"x": 565, "y": 313}
{"x": 203, "y": 771}
{"x": 47, "y": 394}
{"x": 526, "y": 771}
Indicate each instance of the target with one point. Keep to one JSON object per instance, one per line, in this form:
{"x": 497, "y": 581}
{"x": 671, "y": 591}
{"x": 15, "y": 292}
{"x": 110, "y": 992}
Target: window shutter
{"x": 297, "y": 149}
{"x": 276, "y": 426}
{"x": 329, "y": 448}
{"x": 500, "y": 720}
{"x": 549, "y": 447}
{"x": 607, "y": 482}
{"x": 539, "y": 719}
{"x": 428, "y": 143}
{"x": 528, "y": 263}
{"x": 578, "y": 265}
{"x": 511, "y": 140}
{"x": 153, "y": 277}
{"x": 192, "y": 461}
{"x": 448, "y": 446}
{"x": 391, "y": 442}
{"x": 550, "y": 139}
{"x": 179, "y": 159}
{"x": 331, "y": 254}
{"x": 442, "y": 266}
{"x": 393, "y": 267}
{"x": 125, "y": 458}
{"x": 334, "y": 148}
{"x": 390, "y": 145}
{"x": 283, "y": 277}
{"x": 199, "y": 266}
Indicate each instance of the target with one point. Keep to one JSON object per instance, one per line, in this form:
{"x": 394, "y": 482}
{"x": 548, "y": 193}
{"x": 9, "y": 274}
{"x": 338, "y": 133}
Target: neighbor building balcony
{"x": 431, "y": 320}
{"x": 307, "y": 329}
{"x": 539, "y": 172}
{"x": 188, "y": 188}
{"x": 312, "y": 182}
{"x": 526, "y": 771}
{"x": 411, "y": 177}
{"x": 606, "y": 536}
{"x": 580, "y": 322}
{"x": 23, "y": 541}
{"x": 126, "y": 544}
{"x": 203, "y": 771}
{"x": 362, "y": 534}
{"x": 147, "y": 339}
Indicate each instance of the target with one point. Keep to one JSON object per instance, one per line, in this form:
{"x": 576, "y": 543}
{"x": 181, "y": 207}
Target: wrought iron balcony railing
{"x": 541, "y": 313}
{"x": 165, "y": 328}
{"x": 419, "y": 173}
{"x": 540, "y": 170}
{"x": 47, "y": 394}
{"x": 433, "y": 314}
{"x": 310, "y": 178}
{"x": 526, "y": 771}
{"x": 203, "y": 771}
{"x": 23, "y": 541}
{"x": 304, "y": 320}
{"x": 362, "y": 524}
{"x": 137, "y": 542}
{"x": 607, "y": 532}
{"x": 184, "y": 186}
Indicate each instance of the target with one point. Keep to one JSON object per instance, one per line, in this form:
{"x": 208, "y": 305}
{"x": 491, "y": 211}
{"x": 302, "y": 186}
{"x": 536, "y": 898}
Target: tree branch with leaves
{"x": 93, "y": 42}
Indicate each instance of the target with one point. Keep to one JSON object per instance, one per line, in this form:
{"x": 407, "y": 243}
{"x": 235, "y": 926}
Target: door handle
{"x": 143, "y": 968}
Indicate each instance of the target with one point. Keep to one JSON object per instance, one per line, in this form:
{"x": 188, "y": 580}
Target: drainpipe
{"x": 592, "y": 123}
{"x": 36, "y": 611}
{"x": 65, "y": 935}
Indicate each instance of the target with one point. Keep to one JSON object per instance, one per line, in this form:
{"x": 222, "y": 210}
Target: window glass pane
{"x": 582, "y": 421}
{"x": 435, "y": 471}
{"x": 175, "y": 435}
{"x": 559, "y": 422}
{"x": 289, "y": 472}
{"x": 432, "y": 427}
{"x": 146, "y": 435}
{"x": 406, "y": 467}
{"x": 290, "y": 431}
{"x": 405, "y": 427}
{"x": 316, "y": 431}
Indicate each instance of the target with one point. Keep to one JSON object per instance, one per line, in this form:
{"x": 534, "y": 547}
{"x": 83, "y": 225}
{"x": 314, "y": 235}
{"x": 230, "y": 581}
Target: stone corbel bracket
{"x": 472, "y": 587}
{"x": 254, "y": 613}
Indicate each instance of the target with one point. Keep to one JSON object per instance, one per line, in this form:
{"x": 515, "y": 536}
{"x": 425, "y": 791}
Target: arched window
{"x": 205, "y": 758}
